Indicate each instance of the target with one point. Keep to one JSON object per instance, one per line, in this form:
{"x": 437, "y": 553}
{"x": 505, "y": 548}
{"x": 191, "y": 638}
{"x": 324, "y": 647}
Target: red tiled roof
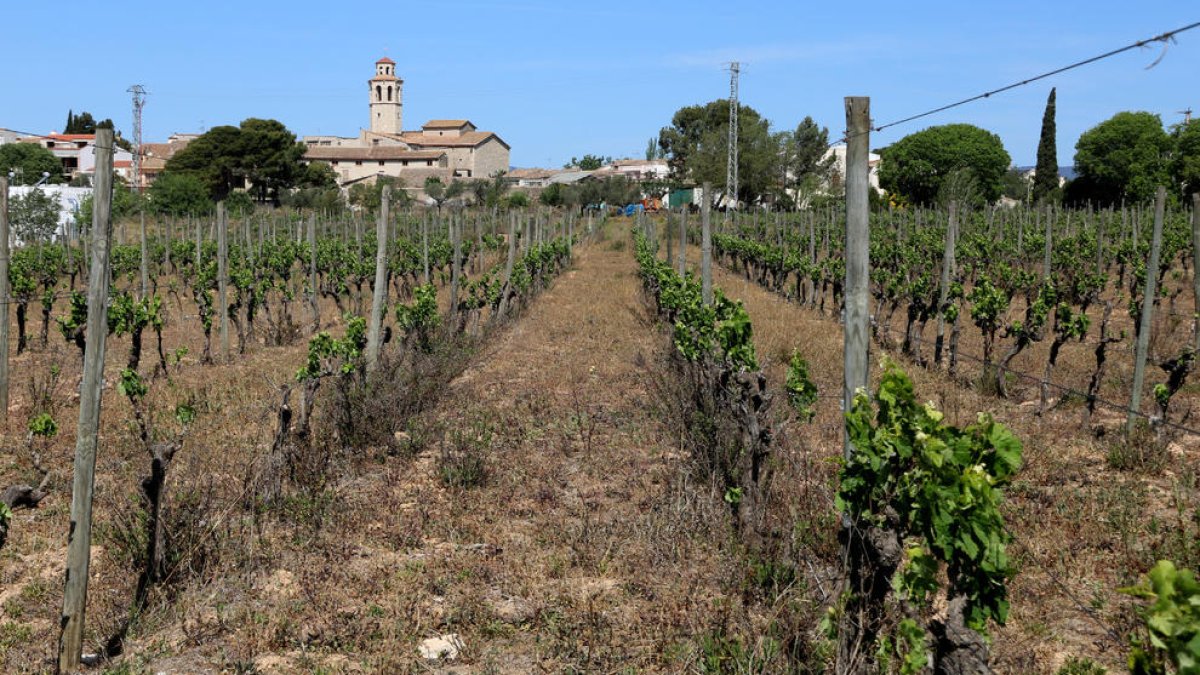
{"x": 386, "y": 60}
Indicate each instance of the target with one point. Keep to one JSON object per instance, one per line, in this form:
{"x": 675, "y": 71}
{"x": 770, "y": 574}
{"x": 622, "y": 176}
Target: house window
{"x": 381, "y": 162}
{"x": 333, "y": 163}
{"x": 429, "y": 162}
{"x": 358, "y": 162}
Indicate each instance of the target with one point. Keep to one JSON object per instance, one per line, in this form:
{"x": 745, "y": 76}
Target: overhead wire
{"x": 1165, "y": 38}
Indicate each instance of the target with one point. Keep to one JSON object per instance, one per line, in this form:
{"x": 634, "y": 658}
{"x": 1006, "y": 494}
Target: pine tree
{"x": 69, "y": 129}
{"x": 1045, "y": 180}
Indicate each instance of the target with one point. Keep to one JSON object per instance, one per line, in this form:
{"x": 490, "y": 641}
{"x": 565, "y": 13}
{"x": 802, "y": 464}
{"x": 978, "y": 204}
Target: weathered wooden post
{"x": 79, "y": 536}
{"x": 145, "y": 254}
{"x": 381, "y": 279}
{"x": 4, "y": 299}
{"x": 948, "y": 264}
{"x": 1195, "y": 267}
{"x": 681, "y": 259}
{"x": 1148, "y": 295}
{"x": 855, "y": 345}
{"x": 223, "y": 277}
{"x": 313, "y": 296}
{"x": 706, "y": 283}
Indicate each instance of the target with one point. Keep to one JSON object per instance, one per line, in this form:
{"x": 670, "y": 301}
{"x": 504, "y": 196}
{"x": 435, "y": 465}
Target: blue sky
{"x": 563, "y": 78}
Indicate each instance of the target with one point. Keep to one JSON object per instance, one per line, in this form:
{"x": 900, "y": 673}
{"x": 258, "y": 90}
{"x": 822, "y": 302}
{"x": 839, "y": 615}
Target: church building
{"x": 445, "y": 149}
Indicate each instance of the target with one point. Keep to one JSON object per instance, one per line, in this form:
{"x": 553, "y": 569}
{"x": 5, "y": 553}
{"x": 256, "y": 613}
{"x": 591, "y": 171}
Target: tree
{"x": 29, "y": 161}
{"x": 805, "y": 165}
{"x": 917, "y": 165}
{"x": 697, "y": 142}
{"x": 261, "y": 152}
{"x": 489, "y": 192}
{"x": 180, "y": 194}
{"x": 516, "y": 200}
{"x": 652, "y": 149}
{"x": 809, "y": 144}
{"x": 555, "y": 194}
{"x": 125, "y": 202}
{"x": 440, "y": 193}
{"x": 1015, "y": 185}
{"x": 1045, "y": 178}
{"x": 369, "y": 196}
{"x": 1123, "y": 158}
{"x": 317, "y": 175}
{"x": 34, "y": 216}
{"x": 589, "y": 162}
{"x": 271, "y": 157}
{"x": 1185, "y": 166}
{"x": 84, "y": 123}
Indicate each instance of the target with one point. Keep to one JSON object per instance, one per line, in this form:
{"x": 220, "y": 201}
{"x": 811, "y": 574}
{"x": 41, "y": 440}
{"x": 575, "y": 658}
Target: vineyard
{"x": 523, "y": 439}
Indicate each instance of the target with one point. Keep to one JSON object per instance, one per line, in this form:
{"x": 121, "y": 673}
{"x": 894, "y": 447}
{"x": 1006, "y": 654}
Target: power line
{"x": 1165, "y": 38}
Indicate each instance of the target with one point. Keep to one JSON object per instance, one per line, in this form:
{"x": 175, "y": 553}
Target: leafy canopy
{"x": 28, "y": 161}
{"x": 1123, "y": 158}
{"x": 262, "y": 153}
{"x": 697, "y": 142}
{"x": 917, "y": 165}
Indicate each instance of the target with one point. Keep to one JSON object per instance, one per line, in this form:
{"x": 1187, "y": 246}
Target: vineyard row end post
{"x": 855, "y": 345}
{"x": 79, "y": 535}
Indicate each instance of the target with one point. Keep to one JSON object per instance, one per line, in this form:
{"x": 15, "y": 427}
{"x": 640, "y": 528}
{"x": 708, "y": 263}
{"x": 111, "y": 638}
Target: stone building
{"x": 446, "y": 149}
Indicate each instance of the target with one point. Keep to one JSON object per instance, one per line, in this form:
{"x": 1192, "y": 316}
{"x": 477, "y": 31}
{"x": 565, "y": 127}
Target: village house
{"x": 446, "y": 149}
{"x": 77, "y": 152}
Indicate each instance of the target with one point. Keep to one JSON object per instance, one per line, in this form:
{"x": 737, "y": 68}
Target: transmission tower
{"x": 1187, "y": 116}
{"x": 731, "y": 171}
{"x": 139, "y": 101}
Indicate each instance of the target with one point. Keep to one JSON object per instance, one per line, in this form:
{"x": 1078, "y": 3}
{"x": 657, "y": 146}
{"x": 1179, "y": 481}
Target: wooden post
{"x": 79, "y": 536}
{"x": 313, "y": 298}
{"x": 145, "y": 254}
{"x": 1148, "y": 295}
{"x": 4, "y": 299}
{"x": 456, "y": 264}
{"x": 681, "y": 259}
{"x": 670, "y": 237}
{"x": 425, "y": 243}
{"x": 512, "y": 248}
{"x": 1195, "y": 267}
{"x": 223, "y": 277}
{"x": 948, "y": 263}
{"x": 855, "y": 336}
{"x": 1049, "y": 235}
{"x": 858, "y": 121}
{"x": 706, "y": 284}
{"x": 381, "y": 278}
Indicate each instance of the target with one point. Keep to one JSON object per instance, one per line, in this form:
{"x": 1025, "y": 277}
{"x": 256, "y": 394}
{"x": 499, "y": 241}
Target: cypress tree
{"x": 70, "y": 128}
{"x": 1045, "y": 180}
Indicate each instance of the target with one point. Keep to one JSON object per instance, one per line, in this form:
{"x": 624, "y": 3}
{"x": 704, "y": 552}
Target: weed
{"x": 463, "y": 460}
{"x": 1138, "y": 451}
{"x": 1078, "y": 665}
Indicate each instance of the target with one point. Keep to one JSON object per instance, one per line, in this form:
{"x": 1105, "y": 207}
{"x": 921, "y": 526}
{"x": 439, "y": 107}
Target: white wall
{"x": 69, "y": 199}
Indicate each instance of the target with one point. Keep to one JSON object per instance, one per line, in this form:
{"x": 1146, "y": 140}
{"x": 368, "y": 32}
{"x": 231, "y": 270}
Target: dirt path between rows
{"x": 583, "y": 547}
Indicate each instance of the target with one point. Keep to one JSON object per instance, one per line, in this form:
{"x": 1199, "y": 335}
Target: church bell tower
{"x": 384, "y": 90}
